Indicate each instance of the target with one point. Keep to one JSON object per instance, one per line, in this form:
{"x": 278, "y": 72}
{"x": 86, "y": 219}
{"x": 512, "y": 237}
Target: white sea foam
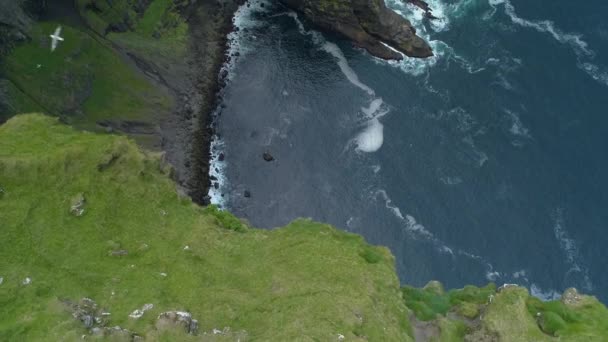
{"x": 373, "y": 109}
{"x": 446, "y": 250}
{"x": 546, "y": 26}
{"x": 568, "y": 246}
{"x": 492, "y": 275}
{"x": 520, "y": 274}
{"x": 517, "y": 127}
{"x": 350, "y": 74}
{"x": 545, "y": 295}
{"x": 595, "y": 72}
{"x": 416, "y": 230}
{"x": 441, "y": 50}
{"x": 451, "y": 180}
{"x": 243, "y": 19}
{"x": 574, "y": 40}
{"x": 409, "y": 222}
{"x": 371, "y": 138}
{"x": 477, "y": 156}
{"x": 217, "y": 170}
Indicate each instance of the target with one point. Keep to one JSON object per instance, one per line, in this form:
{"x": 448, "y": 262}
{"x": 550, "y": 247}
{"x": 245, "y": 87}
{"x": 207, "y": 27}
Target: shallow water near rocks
{"x": 487, "y": 162}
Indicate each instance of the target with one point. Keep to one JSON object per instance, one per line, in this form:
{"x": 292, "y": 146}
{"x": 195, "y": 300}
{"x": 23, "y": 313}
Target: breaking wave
{"x": 244, "y": 18}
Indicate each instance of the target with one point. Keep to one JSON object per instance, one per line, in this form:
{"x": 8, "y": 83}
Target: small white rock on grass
{"x": 140, "y": 312}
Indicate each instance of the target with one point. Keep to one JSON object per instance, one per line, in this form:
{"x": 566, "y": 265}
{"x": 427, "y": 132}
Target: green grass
{"x": 307, "y": 281}
{"x": 583, "y": 321}
{"x": 429, "y": 302}
{"x": 160, "y": 34}
{"x": 84, "y": 79}
{"x": 304, "y": 282}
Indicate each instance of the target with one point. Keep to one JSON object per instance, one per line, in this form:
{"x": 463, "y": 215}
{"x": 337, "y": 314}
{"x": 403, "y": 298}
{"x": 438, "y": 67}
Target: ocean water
{"x": 487, "y": 162}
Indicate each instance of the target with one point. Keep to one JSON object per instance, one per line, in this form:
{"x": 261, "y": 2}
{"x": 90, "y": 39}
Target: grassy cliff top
{"x": 86, "y": 215}
{"x": 138, "y": 242}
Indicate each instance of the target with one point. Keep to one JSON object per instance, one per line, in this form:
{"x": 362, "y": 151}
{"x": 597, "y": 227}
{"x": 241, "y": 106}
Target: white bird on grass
{"x": 56, "y": 38}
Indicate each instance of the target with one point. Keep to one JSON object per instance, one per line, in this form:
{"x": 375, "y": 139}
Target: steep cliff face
{"x": 368, "y": 23}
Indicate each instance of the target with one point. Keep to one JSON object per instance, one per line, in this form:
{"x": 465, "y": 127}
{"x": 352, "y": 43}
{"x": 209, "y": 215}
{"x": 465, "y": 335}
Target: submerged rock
{"x": 368, "y": 23}
{"x": 267, "y": 157}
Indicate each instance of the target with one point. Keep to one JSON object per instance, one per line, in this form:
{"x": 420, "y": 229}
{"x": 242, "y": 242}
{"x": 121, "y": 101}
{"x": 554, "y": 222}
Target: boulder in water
{"x": 267, "y": 157}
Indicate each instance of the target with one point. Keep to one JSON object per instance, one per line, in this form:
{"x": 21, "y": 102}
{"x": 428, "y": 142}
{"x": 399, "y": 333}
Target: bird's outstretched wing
{"x": 57, "y": 31}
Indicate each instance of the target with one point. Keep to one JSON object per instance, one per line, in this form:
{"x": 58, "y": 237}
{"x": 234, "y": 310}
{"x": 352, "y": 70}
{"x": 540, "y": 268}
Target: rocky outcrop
{"x": 368, "y": 23}
{"x": 12, "y": 15}
{"x": 171, "y": 319}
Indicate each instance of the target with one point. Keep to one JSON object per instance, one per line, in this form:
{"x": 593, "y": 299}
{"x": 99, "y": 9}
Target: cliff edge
{"x": 368, "y": 23}
{"x": 98, "y": 244}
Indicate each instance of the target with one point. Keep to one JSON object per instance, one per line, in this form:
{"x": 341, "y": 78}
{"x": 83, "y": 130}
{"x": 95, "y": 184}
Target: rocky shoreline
{"x": 210, "y": 24}
{"x": 195, "y": 82}
{"x": 379, "y": 30}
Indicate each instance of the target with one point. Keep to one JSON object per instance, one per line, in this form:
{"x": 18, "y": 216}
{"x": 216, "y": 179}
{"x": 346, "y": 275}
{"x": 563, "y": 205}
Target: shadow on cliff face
{"x": 63, "y": 11}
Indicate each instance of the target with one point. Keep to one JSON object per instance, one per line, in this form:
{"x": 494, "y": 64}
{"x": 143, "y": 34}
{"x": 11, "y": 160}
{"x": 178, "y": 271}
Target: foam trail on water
{"x": 350, "y": 74}
{"x": 574, "y": 40}
{"x": 417, "y": 230}
{"x": 545, "y": 26}
{"x": 409, "y": 221}
{"x": 373, "y": 108}
{"x": 595, "y": 72}
{"x": 371, "y": 138}
{"x": 568, "y": 246}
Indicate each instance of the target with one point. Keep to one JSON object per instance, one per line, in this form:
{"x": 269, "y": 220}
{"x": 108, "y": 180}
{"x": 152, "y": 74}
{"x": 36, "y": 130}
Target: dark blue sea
{"x": 487, "y": 162}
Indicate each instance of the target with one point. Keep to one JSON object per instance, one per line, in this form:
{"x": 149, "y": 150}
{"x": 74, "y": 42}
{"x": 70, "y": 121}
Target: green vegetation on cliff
{"x": 84, "y": 79}
{"x": 138, "y": 241}
{"x": 86, "y": 215}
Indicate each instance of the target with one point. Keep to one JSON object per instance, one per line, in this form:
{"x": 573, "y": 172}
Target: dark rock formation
{"x": 428, "y": 12}
{"x": 267, "y": 157}
{"x": 368, "y": 23}
{"x": 88, "y": 313}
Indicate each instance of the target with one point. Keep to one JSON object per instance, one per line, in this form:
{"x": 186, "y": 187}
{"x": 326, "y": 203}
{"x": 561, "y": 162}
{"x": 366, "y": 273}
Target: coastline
{"x": 209, "y": 27}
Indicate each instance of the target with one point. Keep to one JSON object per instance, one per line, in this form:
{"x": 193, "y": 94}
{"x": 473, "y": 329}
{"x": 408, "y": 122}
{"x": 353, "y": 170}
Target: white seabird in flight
{"x": 56, "y": 38}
